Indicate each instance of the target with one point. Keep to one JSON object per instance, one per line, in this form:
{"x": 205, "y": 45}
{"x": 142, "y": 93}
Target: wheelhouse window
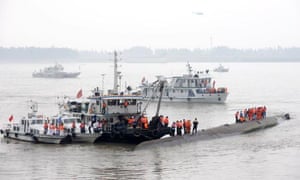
{"x": 199, "y": 91}
{"x": 111, "y": 102}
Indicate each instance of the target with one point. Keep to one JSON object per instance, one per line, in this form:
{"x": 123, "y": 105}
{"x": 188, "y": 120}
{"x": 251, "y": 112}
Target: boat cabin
{"x": 115, "y": 105}
{"x": 32, "y": 124}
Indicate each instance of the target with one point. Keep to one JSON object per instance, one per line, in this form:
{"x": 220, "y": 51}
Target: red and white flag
{"x": 11, "y": 117}
{"x": 79, "y": 94}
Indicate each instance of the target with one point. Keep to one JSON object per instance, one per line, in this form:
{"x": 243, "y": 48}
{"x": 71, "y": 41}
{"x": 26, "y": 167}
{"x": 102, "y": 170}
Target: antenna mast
{"x": 115, "y": 72}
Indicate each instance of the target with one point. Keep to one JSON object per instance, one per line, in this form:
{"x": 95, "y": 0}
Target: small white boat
{"x": 31, "y": 129}
{"x": 221, "y": 68}
{"x": 56, "y": 71}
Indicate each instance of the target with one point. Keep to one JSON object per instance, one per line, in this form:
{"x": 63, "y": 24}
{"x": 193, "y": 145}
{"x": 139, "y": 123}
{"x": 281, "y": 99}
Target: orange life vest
{"x": 125, "y": 103}
{"x": 73, "y": 125}
{"x": 82, "y": 125}
{"x": 46, "y": 126}
{"x": 61, "y": 127}
{"x": 130, "y": 121}
{"x": 166, "y": 120}
{"x": 52, "y": 127}
{"x": 242, "y": 119}
{"x": 104, "y": 105}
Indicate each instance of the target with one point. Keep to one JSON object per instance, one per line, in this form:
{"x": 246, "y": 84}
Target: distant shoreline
{"x": 147, "y": 55}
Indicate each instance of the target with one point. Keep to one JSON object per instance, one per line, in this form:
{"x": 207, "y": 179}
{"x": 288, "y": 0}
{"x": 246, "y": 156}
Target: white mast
{"x": 115, "y": 72}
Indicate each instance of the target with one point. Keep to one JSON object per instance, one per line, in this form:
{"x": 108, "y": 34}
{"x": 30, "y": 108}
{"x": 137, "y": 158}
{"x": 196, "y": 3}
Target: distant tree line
{"x": 144, "y": 54}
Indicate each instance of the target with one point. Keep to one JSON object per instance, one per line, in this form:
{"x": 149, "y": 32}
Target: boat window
{"x": 179, "y": 83}
{"x": 191, "y": 93}
{"x": 192, "y": 83}
{"x": 84, "y": 107}
{"x": 181, "y": 91}
{"x": 132, "y": 102}
{"x": 199, "y": 91}
{"x": 40, "y": 121}
{"x": 196, "y": 83}
{"x": 209, "y": 80}
{"x": 111, "y": 102}
{"x": 68, "y": 121}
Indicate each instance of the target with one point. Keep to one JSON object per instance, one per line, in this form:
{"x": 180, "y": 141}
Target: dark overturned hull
{"x": 133, "y": 136}
{"x": 213, "y": 133}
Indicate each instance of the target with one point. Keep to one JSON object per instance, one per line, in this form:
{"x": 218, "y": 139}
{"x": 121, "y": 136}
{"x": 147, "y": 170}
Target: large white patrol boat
{"x": 56, "y": 71}
{"x": 221, "y": 68}
{"x": 198, "y": 87}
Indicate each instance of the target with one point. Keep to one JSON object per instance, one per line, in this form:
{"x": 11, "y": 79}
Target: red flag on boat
{"x": 11, "y": 117}
{"x": 79, "y": 94}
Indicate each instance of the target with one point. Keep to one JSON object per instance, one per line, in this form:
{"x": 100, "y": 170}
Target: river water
{"x": 268, "y": 154}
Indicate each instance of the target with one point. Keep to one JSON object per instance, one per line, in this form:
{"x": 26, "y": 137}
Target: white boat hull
{"x": 53, "y": 139}
{"x": 203, "y": 98}
{"x": 85, "y": 138}
{"x": 56, "y": 75}
{"x": 19, "y": 136}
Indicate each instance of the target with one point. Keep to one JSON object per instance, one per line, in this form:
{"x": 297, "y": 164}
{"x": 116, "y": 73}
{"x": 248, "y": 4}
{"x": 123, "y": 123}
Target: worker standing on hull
{"x": 195, "y": 126}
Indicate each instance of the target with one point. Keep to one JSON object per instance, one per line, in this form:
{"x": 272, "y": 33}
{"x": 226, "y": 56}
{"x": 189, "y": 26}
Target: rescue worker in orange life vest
{"x": 264, "y": 112}
{"x": 82, "y": 127}
{"x": 179, "y": 128}
{"x": 242, "y": 118}
{"x": 45, "y": 127}
{"x": 130, "y": 121}
{"x": 126, "y": 105}
{"x": 103, "y": 107}
{"x": 73, "y": 127}
{"x": 166, "y": 121}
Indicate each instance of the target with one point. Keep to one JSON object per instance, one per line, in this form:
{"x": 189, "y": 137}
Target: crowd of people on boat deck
{"x": 52, "y": 129}
{"x": 250, "y": 114}
{"x": 181, "y": 127}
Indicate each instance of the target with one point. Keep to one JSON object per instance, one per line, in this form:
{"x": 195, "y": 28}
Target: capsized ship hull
{"x": 213, "y": 133}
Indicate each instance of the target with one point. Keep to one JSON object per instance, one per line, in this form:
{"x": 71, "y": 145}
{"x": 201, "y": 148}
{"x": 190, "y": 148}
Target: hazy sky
{"x": 119, "y": 24}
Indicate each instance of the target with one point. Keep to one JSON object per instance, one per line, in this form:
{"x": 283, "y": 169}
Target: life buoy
{"x": 136, "y": 134}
